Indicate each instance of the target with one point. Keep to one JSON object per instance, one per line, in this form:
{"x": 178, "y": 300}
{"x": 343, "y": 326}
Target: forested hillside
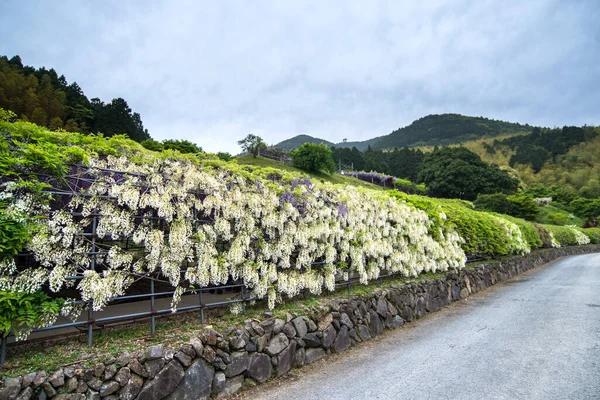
{"x": 44, "y": 97}
{"x": 568, "y": 157}
{"x": 432, "y": 130}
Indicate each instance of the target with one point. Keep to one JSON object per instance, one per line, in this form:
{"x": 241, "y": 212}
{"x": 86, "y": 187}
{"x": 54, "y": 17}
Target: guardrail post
{"x": 3, "y": 351}
{"x": 92, "y": 268}
{"x": 152, "y": 308}
{"x": 201, "y": 309}
{"x": 244, "y": 299}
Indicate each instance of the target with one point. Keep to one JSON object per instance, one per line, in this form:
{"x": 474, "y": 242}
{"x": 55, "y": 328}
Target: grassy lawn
{"x": 555, "y": 216}
{"x": 331, "y": 178}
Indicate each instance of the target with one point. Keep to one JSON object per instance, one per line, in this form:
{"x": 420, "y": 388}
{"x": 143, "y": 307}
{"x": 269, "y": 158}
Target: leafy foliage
{"x": 484, "y": 234}
{"x": 460, "y": 173}
{"x": 252, "y": 144}
{"x": 568, "y": 235}
{"x": 313, "y": 157}
{"x": 22, "y": 311}
{"x": 44, "y": 98}
{"x": 519, "y": 206}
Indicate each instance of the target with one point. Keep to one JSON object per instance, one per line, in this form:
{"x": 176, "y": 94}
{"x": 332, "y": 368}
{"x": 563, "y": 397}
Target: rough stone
{"x": 313, "y": 355}
{"x": 231, "y": 386}
{"x": 260, "y": 368}
{"x": 99, "y": 370}
{"x": 153, "y": 366}
{"x": 49, "y": 389}
{"x": 183, "y": 358}
{"x": 188, "y": 350}
{"x": 258, "y": 329}
{"x": 363, "y": 332}
{"x": 132, "y": 388}
{"x": 300, "y": 326}
{"x": 267, "y": 327}
{"x": 71, "y": 396}
{"x": 108, "y": 388}
{"x": 92, "y": 394}
{"x": 278, "y": 326}
{"x": 209, "y": 354}
{"x": 345, "y": 320}
{"x": 26, "y": 394}
{"x": 464, "y": 293}
{"x": 28, "y": 379}
{"x": 57, "y": 379}
{"x": 209, "y": 336}
{"x": 328, "y": 336}
{"x": 110, "y": 371}
{"x": 325, "y": 321}
{"x": 277, "y": 344}
{"x": 219, "y": 364}
{"x": 299, "y": 358}
{"x": 342, "y": 340}
{"x": 138, "y": 368}
{"x": 398, "y": 322}
{"x": 71, "y": 384}
{"x": 197, "y": 345}
{"x": 354, "y": 336}
{"x": 250, "y": 347}
{"x": 124, "y": 359}
{"x": 289, "y": 330}
{"x": 312, "y": 327}
{"x": 225, "y": 356}
{"x": 196, "y": 383}
{"x": 39, "y": 379}
{"x": 164, "y": 383}
{"x": 262, "y": 342}
{"x": 123, "y": 376}
{"x": 311, "y": 340}
{"x": 218, "y": 382}
{"x": 237, "y": 343}
{"x": 285, "y": 359}
{"x": 95, "y": 383}
{"x": 238, "y": 364}
{"x": 82, "y": 387}
{"x": 154, "y": 352}
{"x": 375, "y": 324}
{"x": 381, "y": 307}
{"x": 12, "y": 387}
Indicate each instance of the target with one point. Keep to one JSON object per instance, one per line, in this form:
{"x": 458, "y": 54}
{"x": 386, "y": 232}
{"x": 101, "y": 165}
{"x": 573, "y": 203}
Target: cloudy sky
{"x": 213, "y": 71}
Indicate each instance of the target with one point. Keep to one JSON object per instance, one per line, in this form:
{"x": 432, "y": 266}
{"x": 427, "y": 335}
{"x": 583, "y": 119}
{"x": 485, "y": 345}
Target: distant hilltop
{"x": 432, "y": 130}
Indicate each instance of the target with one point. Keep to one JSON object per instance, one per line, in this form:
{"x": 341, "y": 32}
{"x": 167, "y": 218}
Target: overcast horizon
{"x": 212, "y": 72}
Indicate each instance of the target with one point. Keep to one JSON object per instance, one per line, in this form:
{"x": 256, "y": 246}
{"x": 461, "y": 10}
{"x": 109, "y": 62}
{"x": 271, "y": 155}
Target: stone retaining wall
{"x": 219, "y": 365}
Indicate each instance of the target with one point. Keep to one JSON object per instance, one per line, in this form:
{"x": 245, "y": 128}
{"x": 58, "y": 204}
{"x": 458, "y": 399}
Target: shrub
{"x": 568, "y": 235}
{"x": 547, "y": 238}
{"x": 484, "y": 234}
{"x": 530, "y": 233}
{"x": 593, "y": 234}
{"x": 313, "y": 157}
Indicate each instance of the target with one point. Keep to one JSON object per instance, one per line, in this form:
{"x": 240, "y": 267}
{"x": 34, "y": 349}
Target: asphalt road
{"x": 534, "y": 337}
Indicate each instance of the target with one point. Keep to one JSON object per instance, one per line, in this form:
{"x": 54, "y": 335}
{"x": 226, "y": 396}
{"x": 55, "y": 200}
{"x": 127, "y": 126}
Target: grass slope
{"x": 331, "y": 178}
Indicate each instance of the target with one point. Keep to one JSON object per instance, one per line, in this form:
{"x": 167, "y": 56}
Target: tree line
{"x": 45, "y": 98}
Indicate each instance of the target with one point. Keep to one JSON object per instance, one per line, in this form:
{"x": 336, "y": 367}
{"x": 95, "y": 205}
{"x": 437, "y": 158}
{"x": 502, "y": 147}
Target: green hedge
{"x": 484, "y": 234}
{"x": 530, "y": 233}
{"x": 593, "y": 234}
{"x": 568, "y": 235}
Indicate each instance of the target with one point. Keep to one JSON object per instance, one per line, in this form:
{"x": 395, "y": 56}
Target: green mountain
{"x": 432, "y": 130}
{"x": 445, "y": 129}
{"x": 297, "y": 141}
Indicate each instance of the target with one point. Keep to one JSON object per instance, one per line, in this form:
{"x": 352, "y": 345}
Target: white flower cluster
{"x": 201, "y": 225}
{"x": 517, "y": 243}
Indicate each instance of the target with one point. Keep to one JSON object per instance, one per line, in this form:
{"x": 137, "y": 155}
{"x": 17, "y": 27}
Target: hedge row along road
{"x": 536, "y": 336}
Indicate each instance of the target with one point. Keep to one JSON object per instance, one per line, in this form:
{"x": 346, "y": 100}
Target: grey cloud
{"x": 211, "y": 72}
